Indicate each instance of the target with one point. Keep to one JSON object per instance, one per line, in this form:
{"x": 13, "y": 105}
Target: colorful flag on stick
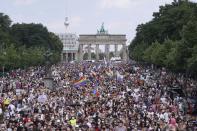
{"x": 81, "y": 82}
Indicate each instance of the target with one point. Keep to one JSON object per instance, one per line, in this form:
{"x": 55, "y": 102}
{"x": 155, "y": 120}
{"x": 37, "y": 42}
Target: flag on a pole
{"x": 81, "y": 82}
{"x": 119, "y": 76}
{"x": 105, "y": 61}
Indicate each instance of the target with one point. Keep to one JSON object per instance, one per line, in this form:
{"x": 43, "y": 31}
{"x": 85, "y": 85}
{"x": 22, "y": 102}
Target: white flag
{"x": 119, "y": 76}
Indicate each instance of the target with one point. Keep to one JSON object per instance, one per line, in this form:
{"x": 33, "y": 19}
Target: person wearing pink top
{"x": 172, "y": 121}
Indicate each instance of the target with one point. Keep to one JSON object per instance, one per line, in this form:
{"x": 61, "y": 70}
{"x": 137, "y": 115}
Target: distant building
{"x": 101, "y": 38}
{"x": 70, "y": 46}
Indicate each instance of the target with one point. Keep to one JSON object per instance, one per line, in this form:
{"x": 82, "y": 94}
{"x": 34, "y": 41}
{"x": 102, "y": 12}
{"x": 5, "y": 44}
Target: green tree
{"x": 5, "y": 22}
{"x": 93, "y": 56}
{"x": 171, "y": 56}
{"x": 24, "y": 45}
{"x": 167, "y": 23}
{"x": 101, "y": 56}
{"x": 158, "y": 55}
{"x": 12, "y": 58}
{"x": 148, "y": 52}
{"x": 192, "y": 61}
{"x": 5, "y": 38}
{"x": 35, "y": 35}
{"x": 85, "y": 56}
{"x": 137, "y": 52}
{"x": 169, "y": 39}
{"x": 189, "y": 34}
{"x": 111, "y": 54}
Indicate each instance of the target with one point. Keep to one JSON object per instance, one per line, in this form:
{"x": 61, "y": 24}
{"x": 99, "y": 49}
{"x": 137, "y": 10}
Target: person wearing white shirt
{"x": 166, "y": 117}
{"x": 12, "y": 109}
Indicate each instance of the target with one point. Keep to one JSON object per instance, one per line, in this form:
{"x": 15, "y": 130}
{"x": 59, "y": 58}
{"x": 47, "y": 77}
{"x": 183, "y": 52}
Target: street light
{"x": 48, "y": 80}
{"x": 48, "y": 54}
{"x": 4, "y": 53}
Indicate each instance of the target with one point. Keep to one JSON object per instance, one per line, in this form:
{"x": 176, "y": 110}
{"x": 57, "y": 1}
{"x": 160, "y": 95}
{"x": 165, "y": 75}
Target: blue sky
{"x": 85, "y": 16}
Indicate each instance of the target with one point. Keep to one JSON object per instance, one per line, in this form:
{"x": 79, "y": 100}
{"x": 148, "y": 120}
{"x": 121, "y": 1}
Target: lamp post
{"x": 48, "y": 80}
{"x": 3, "y": 71}
{"x": 4, "y": 53}
{"x": 47, "y": 56}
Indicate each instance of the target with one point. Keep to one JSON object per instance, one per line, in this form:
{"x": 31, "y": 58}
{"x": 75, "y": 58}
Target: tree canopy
{"x": 24, "y": 45}
{"x": 169, "y": 39}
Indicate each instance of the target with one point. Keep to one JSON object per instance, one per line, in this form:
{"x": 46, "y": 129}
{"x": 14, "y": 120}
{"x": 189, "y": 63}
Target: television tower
{"x": 66, "y": 23}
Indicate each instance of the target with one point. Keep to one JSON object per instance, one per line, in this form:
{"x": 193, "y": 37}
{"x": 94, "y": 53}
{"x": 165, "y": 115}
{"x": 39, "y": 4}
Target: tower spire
{"x": 66, "y": 22}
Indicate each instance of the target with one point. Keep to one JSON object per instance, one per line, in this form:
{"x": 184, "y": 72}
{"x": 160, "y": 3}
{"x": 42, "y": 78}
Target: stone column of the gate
{"x": 62, "y": 56}
{"x": 89, "y": 52}
{"x": 116, "y": 50}
{"x": 80, "y": 52}
{"x": 66, "y": 57}
{"x": 97, "y": 52}
{"x": 107, "y": 51}
{"x": 71, "y": 55}
{"x": 124, "y": 52}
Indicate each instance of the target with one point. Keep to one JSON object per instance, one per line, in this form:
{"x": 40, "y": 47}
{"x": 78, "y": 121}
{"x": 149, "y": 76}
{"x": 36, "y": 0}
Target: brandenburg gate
{"x": 102, "y": 38}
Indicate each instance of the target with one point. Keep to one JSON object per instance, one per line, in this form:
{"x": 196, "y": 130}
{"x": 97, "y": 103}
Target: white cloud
{"x": 117, "y": 26}
{"x": 24, "y": 2}
{"x": 122, "y": 27}
{"x": 75, "y": 21}
{"x": 115, "y": 3}
{"x": 127, "y": 4}
{"x": 55, "y": 26}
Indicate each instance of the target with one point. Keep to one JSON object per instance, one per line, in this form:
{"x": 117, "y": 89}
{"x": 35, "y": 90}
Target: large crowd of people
{"x": 97, "y": 97}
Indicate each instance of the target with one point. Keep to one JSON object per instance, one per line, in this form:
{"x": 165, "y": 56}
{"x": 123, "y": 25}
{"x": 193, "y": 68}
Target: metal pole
{"x": 3, "y": 71}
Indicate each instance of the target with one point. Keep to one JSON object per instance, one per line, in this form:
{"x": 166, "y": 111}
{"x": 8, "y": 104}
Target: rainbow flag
{"x": 81, "y": 82}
